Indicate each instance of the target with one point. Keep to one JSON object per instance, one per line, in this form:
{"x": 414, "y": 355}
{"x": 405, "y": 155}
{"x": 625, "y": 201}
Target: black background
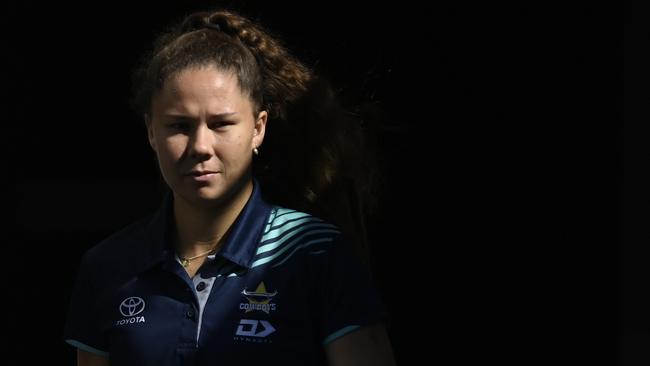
{"x": 508, "y": 166}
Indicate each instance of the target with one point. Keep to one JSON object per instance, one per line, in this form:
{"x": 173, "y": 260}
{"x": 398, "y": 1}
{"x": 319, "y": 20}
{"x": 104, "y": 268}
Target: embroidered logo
{"x": 130, "y": 307}
{"x": 259, "y": 299}
{"x": 248, "y": 327}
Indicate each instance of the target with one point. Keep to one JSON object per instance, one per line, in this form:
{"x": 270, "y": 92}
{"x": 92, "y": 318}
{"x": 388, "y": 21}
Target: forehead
{"x": 204, "y": 87}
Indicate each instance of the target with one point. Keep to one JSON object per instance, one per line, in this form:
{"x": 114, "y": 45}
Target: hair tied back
{"x": 214, "y": 26}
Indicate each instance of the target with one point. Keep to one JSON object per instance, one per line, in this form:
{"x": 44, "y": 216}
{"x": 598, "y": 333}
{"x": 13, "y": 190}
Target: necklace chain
{"x": 186, "y": 261}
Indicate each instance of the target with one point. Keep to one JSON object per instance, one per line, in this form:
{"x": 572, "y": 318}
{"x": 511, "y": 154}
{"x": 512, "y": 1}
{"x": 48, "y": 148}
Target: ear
{"x": 150, "y": 134}
{"x": 260, "y": 129}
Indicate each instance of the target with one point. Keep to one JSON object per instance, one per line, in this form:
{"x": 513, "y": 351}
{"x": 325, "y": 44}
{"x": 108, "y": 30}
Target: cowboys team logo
{"x": 259, "y": 299}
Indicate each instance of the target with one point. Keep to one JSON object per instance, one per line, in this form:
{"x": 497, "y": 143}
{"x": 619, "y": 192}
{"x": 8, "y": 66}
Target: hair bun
{"x": 214, "y": 26}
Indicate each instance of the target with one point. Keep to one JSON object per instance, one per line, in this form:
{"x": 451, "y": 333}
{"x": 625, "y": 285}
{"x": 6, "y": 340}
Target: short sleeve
{"x": 348, "y": 298}
{"x": 82, "y": 327}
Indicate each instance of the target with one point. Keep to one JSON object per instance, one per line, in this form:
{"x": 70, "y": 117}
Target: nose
{"x": 200, "y": 144}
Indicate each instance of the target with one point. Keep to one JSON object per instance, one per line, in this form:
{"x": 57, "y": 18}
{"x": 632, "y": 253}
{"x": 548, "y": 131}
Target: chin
{"x": 214, "y": 194}
{"x": 208, "y": 194}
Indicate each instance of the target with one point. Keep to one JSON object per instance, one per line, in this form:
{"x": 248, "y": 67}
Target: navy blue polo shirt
{"x": 283, "y": 285}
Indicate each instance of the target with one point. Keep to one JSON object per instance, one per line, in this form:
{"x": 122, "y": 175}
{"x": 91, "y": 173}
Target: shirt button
{"x": 200, "y": 286}
{"x": 189, "y": 314}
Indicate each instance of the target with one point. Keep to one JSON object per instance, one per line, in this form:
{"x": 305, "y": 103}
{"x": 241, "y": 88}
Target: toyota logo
{"x": 132, "y": 306}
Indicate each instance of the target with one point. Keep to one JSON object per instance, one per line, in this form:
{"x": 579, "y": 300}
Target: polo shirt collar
{"x": 241, "y": 243}
{"x": 242, "y": 239}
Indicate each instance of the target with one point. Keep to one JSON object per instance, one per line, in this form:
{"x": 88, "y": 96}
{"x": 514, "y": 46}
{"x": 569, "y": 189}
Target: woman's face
{"x": 203, "y": 131}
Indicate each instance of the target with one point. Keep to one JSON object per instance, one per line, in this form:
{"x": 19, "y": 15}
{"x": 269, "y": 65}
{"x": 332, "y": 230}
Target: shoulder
{"x": 290, "y": 233}
{"x": 120, "y": 252}
{"x": 288, "y": 223}
{"x": 283, "y": 219}
{"x": 120, "y": 242}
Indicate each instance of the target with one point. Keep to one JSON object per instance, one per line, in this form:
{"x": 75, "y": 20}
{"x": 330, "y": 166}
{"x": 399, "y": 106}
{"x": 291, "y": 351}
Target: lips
{"x": 201, "y": 176}
{"x": 198, "y": 173}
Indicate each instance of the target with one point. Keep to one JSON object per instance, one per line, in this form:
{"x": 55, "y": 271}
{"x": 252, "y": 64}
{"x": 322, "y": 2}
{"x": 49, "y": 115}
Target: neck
{"x": 201, "y": 228}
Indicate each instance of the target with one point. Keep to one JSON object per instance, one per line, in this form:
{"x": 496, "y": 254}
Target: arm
{"x": 90, "y": 359}
{"x": 365, "y": 346}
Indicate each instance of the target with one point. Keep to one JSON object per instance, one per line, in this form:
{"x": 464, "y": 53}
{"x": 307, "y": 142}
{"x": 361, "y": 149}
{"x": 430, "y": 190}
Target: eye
{"x": 179, "y": 126}
{"x": 220, "y": 125}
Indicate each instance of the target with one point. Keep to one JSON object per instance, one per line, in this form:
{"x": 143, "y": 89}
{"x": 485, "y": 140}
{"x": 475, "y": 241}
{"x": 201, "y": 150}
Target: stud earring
{"x": 255, "y": 151}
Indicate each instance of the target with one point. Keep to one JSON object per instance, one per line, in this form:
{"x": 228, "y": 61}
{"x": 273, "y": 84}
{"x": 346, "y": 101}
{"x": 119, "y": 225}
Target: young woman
{"x": 223, "y": 273}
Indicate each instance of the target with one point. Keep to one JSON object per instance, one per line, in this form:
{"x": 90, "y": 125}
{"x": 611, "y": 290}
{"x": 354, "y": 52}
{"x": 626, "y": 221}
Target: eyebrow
{"x": 212, "y": 116}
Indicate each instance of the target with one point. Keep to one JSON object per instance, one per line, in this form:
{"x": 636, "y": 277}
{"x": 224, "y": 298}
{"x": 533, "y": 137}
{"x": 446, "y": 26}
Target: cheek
{"x": 235, "y": 144}
{"x": 236, "y": 150}
{"x": 171, "y": 149}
